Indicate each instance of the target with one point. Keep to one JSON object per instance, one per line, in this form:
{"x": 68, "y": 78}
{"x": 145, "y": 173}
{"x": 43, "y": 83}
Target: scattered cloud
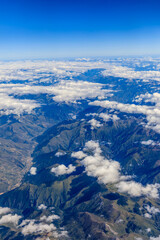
{"x": 130, "y": 73}
{"x": 33, "y": 171}
{"x": 79, "y": 155}
{"x": 155, "y": 238}
{"x": 42, "y": 227}
{"x": 4, "y": 210}
{"x": 33, "y": 228}
{"x": 94, "y": 123}
{"x": 152, "y": 113}
{"x": 149, "y": 98}
{"x": 62, "y": 169}
{"x": 9, "y": 218}
{"x": 11, "y": 105}
{"x": 108, "y": 171}
{"x": 137, "y": 189}
{"x": 42, "y": 207}
{"x": 150, "y": 142}
{"x": 59, "y": 154}
{"x": 50, "y": 218}
{"x": 152, "y": 210}
{"x": 106, "y": 117}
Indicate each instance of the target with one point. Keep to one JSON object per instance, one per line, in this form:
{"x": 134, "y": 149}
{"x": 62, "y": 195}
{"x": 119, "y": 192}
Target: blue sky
{"x": 66, "y": 28}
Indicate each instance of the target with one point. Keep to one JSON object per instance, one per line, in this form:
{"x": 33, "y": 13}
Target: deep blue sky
{"x": 61, "y": 28}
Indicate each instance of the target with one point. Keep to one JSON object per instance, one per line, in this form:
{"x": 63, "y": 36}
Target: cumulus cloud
{"x": 130, "y": 73}
{"x": 108, "y": 171}
{"x": 148, "y": 97}
{"x": 32, "y": 74}
{"x": 63, "y": 91}
{"x": 9, "y": 218}
{"x": 32, "y": 228}
{"x": 50, "y": 218}
{"x": 62, "y": 169}
{"x": 106, "y": 117}
{"x": 152, "y": 113}
{"x": 59, "y": 154}
{"x": 94, "y": 123}
{"x": 11, "y": 105}
{"x": 152, "y": 210}
{"x": 43, "y": 226}
{"x": 150, "y": 142}
{"x": 60, "y": 235}
{"x": 147, "y": 215}
{"x": 42, "y": 207}
{"x": 105, "y": 170}
{"x": 67, "y": 91}
{"x": 137, "y": 189}
{"x": 79, "y": 155}
{"x": 4, "y": 210}
{"x": 155, "y": 238}
{"x": 33, "y": 171}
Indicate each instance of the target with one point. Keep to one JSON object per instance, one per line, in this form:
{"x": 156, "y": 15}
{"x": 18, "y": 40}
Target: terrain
{"x": 85, "y": 163}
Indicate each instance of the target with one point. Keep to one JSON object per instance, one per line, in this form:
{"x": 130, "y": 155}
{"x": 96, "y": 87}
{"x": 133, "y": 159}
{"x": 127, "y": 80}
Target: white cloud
{"x": 29, "y": 73}
{"x": 62, "y": 169}
{"x": 32, "y": 228}
{"x": 26, "y": 221}
{"x": 137, "y": 189}
{"x": 106, "y": 117}
{"x": 152, "y": 210}
{"x": 9, "y": 218}
{"x": 152, "y": 113}
{"x": 155, "y": 238}
{"x": 60, "y": 235}
{"x": 49, "y": 218}
{"x": 42, "y": 227}
{"x": 130, "y": 73}
{"x": 147, "y": 97}
{"x": 46, "y": 70}
{"x": 11, "y": 105}
{"x": 108, "y": 171}
{"x": 59, "y": 154}
{"x": 94, "y": 123}
{"x": 149, "y": 142}
{"x": 78, "y": 155}
{"x": 67, "y": 91}
{"x": 4, "y": 210}
{"x": 33, "y": 171}
{"x": 42, "y": 207}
